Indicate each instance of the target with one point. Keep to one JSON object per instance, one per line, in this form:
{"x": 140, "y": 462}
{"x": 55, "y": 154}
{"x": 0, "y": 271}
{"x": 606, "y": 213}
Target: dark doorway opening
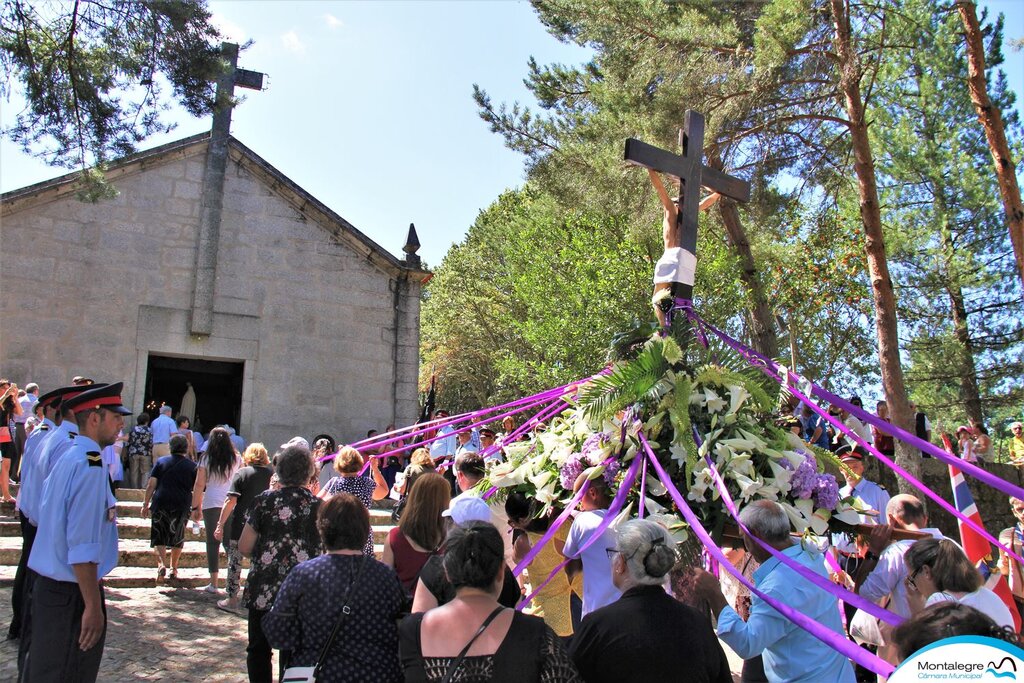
{"x": 217, "y": 386}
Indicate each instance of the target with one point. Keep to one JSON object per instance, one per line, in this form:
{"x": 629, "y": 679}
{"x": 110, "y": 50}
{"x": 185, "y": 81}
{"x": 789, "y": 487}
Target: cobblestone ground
{"x": 162, "y": 634}
{"x": 157, "y": 634}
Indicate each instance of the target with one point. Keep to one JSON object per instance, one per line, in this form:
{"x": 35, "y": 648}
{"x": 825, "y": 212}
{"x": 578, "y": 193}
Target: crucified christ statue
{"x": 676, "y": 267}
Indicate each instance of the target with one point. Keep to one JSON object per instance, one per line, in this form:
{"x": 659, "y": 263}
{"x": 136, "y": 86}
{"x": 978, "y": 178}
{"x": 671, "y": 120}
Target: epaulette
{"x": 43, "y": 428}
{"x": 94, "y": 458}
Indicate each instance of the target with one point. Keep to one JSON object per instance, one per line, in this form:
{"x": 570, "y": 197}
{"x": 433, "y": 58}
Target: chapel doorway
{"x": 217, "y": 386}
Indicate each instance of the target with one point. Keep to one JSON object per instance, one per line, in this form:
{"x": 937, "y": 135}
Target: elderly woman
{"x": 347, "y": 464}
{"x": 311, "y": 600}
{"x": 279, "y": 533}
{"x": 646, "y": 632}
{"x": 248, "y": 482}
{"x": 939, "y": 571}
{"x": 473, "y": 638}
{"x": 168, "y": 494}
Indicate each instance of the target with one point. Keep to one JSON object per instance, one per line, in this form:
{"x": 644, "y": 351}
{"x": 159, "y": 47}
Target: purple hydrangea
{"x": 826, "y": 493}
{"x": 804, "y": 480}
{"x": 572, "y": 469}
{"x": 594, "y": 442}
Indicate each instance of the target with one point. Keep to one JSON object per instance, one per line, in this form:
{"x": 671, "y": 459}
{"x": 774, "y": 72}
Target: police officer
{"x": 76, "y": 546}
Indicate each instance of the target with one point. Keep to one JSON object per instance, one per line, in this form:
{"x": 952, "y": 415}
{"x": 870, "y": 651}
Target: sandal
{"x": 173, "y": 575}
{"x": 161, "y": 573}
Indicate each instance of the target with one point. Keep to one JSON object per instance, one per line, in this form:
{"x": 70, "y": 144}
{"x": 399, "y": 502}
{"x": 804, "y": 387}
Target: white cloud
{"x": 293, "y": 43}
{"x": 333, "y": 22}
{"x": 229, "y": 30}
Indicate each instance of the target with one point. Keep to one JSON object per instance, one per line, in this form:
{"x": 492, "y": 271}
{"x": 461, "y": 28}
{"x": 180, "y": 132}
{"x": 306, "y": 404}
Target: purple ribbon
{"x": 466, "y": 428}
{"x": 834, "y": 640}
{"x": 616, "y": 506}
{"x": 424, "y": 427}
{"x": 769, "y": 368}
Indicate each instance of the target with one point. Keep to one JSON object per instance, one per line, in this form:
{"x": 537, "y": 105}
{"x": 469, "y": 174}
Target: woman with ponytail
{"x": 646, "y": 632}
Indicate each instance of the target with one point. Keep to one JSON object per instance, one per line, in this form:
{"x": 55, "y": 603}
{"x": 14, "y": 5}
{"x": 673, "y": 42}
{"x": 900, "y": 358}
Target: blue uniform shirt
{"x": 445, "y": 446}
{"x": 74, "y": 524}
{"x": 38, "y": 466}
{"x": 790, "y": 653}
{"x": 26, "y": 493}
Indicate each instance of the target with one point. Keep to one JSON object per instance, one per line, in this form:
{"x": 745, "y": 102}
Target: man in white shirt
{"x": 469, "y": 470}
{"x": 163, "y": 427}
{"x": 27, "y": 403}
{"x": 598, "y": 589}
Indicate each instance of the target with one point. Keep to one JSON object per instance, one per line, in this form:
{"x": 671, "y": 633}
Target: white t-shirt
{"x": 598, "y": 589}
{"x": 983, "y": 600}
{"x": 217, "y": 488}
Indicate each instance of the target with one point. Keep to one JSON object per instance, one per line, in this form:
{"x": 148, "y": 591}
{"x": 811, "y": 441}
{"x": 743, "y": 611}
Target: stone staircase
{"x": 137, "y": 563}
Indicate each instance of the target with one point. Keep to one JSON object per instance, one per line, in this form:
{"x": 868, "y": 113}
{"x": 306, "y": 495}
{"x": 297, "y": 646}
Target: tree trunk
{"x": 762, "y": 332}
{"x": 878, "y": 267}
{"x": 992, "y": 121}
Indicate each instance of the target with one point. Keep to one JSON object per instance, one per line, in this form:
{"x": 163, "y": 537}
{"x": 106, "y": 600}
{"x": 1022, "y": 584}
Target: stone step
{"x": 137, "y": 527}
{"x": 140, "y": 577}
{"x": 128, "y": 509}
{"x": 137, "y": 553}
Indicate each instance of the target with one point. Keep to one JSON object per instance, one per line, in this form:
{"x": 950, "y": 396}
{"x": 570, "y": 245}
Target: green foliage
{"x": 94, "y": 75}
{"x": 529, "y": 300}
{"x": 641, "y": 380}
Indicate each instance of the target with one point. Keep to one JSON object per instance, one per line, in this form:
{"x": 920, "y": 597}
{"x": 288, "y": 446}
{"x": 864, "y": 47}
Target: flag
{"x": 978, "y": 549}
{"x": 428, "y": 404}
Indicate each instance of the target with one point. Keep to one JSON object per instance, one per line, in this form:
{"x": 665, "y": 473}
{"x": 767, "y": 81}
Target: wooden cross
{"x": 692, "y": 174}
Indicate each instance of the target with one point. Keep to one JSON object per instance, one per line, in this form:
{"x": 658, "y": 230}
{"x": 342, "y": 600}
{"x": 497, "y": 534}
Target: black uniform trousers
{"x": 56, "y": 657}
{"x": 20, "y": 593}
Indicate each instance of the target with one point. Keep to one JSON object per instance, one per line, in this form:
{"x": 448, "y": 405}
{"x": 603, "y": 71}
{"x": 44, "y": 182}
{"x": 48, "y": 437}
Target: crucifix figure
{"x": 676, "y": 267}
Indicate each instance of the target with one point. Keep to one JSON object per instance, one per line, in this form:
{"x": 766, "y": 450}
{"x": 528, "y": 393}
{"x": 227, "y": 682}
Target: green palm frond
{"x": 641, "y": 380}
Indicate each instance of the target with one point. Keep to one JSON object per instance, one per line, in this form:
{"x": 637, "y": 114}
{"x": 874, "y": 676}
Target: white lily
{"x": 679, "y": 454}
{"x": 748, "y": 486}
{"x": 701, "y": 483}
{"x": 737, "y": 395}
{"x": 676, "y": 528}
{"x": 759, "y": 443}
{"x": 848, "y": 516}
{"x": 654, "y": 486}
{"x": 540, "y": 479}
{"x": 819, "y": 521}
{"x": 713, "y": 401}
{"x": 781, "y": 476}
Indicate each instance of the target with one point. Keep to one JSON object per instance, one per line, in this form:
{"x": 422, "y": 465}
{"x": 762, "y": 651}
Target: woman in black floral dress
{"x": 280, "y": 532}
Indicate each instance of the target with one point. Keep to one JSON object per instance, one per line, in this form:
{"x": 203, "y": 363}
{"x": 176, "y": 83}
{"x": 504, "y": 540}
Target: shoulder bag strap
{"x": 345, "y": 611}
{"x": 462, "y": 655}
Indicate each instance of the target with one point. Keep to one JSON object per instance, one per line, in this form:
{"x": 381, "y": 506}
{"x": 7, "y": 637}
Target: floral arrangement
{"x": 690, "y": 414}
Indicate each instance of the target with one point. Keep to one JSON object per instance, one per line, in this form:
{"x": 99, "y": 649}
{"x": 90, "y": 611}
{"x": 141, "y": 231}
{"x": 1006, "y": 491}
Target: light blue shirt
{"x": 443, "y": 448}
{"x": 39, "y": 465}
{"x": 162, "y": 428}
{"x": 29, "y": 492}
{"x": 75, "y": 526}
{"x": 790, "y": 653}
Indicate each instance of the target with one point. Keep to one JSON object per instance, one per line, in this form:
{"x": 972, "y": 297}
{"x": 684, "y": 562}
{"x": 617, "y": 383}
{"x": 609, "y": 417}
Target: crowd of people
{"x": 441, "y": 604}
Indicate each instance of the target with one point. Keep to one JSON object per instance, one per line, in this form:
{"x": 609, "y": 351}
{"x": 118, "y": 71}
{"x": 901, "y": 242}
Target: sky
{"x": 368, "y": 106}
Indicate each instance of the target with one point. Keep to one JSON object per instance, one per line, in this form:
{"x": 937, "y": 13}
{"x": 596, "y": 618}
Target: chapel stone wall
{"x": 101, "y": 286}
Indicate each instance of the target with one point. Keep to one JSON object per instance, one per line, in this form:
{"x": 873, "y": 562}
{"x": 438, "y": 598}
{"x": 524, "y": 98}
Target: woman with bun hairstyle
{"x": 646, "y": 632}
{"x": 473, "y": 638}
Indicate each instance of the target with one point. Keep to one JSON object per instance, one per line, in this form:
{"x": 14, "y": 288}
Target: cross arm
{"x": 640, "y": 153}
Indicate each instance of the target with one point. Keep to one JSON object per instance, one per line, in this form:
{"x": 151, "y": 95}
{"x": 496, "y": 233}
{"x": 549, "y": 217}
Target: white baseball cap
{"x": 466, "y": 509}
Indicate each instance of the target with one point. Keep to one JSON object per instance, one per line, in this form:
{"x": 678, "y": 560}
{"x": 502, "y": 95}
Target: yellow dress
{"x": 552, "y": 602}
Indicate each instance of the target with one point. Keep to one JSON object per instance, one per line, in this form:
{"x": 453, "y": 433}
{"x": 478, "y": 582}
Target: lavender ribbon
{"x": 887, "y": 427}
{"x": 769, "y": 368}
{"x": 834, "y": 640}
{"x": 616, "y": 506}
{"x": 466, "y": 428}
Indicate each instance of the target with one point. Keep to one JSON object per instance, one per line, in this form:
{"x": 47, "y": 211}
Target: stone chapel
{"x": 281, "y": 317}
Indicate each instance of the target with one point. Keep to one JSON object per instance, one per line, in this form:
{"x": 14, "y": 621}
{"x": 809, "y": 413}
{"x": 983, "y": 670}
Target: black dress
{"x": 647, "y": 635}
{"x": 530, "y": 652}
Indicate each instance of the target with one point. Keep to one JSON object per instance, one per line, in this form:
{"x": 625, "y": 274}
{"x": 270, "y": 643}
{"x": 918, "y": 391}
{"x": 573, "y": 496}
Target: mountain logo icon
{"x": 996, "y": 669}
